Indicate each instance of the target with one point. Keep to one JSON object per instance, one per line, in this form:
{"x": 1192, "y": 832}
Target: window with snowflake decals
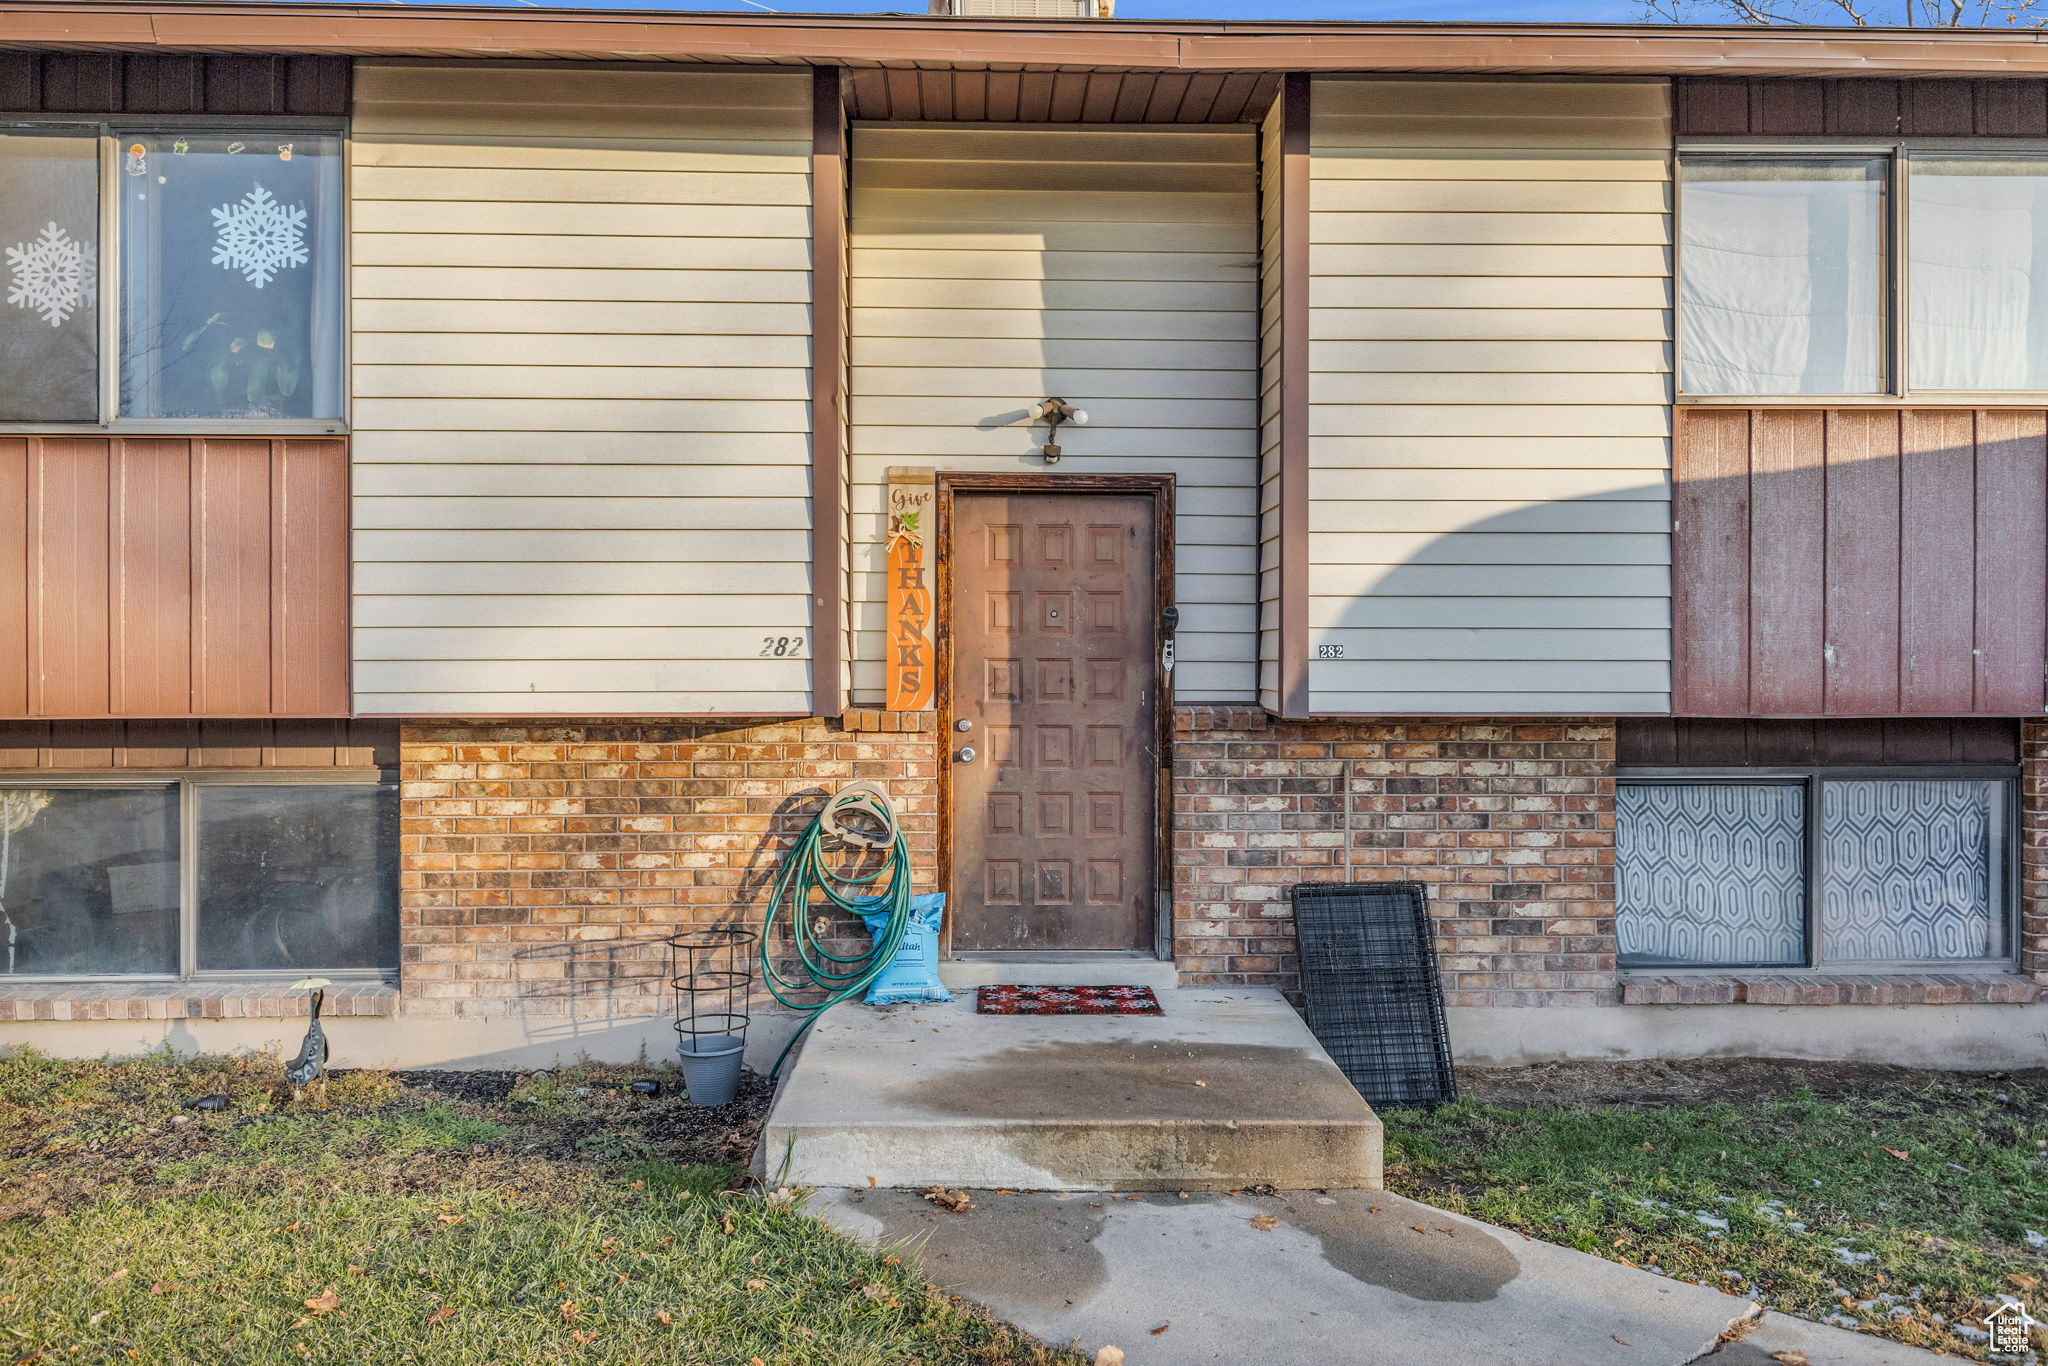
{"x": 230, "y": 279}
{"x": 49, "y": 240}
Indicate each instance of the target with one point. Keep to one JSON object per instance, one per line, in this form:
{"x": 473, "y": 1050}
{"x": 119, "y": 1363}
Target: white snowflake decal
{"x": 47, "y": 275}
{"x": 259, "y": 236}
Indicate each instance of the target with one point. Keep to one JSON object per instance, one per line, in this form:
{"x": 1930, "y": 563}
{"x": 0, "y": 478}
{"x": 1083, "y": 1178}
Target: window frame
{"x": 109, "y": 131}
{"x": 1896, "y": 220}
{"x": 188, "y": 784}
{"x": 1813, "y": 779}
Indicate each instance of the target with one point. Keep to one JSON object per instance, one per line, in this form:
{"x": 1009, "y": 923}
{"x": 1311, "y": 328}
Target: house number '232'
{"x": 781, "y": 647}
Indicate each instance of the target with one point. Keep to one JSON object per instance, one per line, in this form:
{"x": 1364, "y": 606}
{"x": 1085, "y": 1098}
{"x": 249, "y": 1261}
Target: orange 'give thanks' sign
{"x": 911, "y": 499}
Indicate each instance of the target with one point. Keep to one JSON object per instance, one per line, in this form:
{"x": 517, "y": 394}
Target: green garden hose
{"x": 809, "y": 883}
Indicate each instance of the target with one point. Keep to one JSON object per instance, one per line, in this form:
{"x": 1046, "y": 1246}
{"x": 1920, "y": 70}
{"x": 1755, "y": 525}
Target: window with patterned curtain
{"x": 1812, "y": 869}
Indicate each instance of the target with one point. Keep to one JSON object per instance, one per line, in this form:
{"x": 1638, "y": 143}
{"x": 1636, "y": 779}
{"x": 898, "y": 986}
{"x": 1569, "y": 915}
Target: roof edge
{"x": 265, "y": 26}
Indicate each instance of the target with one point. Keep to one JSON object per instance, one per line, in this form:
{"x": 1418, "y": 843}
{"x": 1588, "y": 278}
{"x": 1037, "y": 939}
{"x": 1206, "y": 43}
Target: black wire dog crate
{"x": 1375, "y": 1001}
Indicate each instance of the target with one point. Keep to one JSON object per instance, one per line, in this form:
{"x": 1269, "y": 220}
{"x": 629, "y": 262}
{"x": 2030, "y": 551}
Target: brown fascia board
{"x": 1116, "y": 44}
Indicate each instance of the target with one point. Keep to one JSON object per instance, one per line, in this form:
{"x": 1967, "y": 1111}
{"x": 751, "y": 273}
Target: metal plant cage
{"x": 1375, "y": 1001}
{"x": 712, "y": 971}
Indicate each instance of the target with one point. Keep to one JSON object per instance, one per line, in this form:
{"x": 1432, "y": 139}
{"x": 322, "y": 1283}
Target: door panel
{"x": 1055, "y": 645}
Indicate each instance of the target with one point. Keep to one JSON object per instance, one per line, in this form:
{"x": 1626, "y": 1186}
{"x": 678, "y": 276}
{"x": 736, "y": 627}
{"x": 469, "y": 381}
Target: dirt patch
{"x": 1661, "y": 1084}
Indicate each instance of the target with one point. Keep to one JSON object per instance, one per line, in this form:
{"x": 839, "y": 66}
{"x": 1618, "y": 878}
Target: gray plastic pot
{"x": 711, "y": 1068}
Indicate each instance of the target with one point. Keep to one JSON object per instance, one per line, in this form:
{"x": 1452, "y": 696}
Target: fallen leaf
{"x": 569, "y": 1309}
{"x": 621, "y": 1280}
{"x": 354, "y": 1270}
{"x": 1161, "y": 1328}
{"x": 664, "y": 1318}
{"x": 1106, "y": 1355}
{"x": 751, "y": 1285}
{"x": 871, "y": 1183}
{"x": 1201, "y": 1083}
{"x": 1419, "y": 1229}
{"x": 1264, "y": 1222}
{"x": 1900, "y": 1153}
{"x": 726, "y": 1224}
{"x": 94, "y": 1321}
{"x": 326, "y": 1302}
{"x": 451, "y": 1219}
{"x": 1790, "y": 1358}
{"x": 955, "y": 1200}
{"x": 442, "y": 1315}
{"x": 583, "y": 1339}
{"x": 1622, "y": 1340}
{"x": 2020, "y": 1282}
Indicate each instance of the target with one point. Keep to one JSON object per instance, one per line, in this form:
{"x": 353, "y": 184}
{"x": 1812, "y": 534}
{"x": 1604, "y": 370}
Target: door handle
{"x": 965, "y": 754}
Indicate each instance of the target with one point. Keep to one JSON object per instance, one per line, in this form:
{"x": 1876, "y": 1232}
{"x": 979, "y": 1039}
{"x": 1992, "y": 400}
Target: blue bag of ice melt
{"x": 913, "y": 974}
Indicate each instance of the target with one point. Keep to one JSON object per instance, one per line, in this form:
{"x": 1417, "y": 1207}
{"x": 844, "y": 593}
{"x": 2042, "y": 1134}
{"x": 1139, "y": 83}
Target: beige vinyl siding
{"x": 1115, "y": 267}
{"x": 1489, "y": 488}
{"x": 581, "y": 332}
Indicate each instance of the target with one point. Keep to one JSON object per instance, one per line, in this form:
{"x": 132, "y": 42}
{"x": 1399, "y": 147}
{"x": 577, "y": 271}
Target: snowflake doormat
{"x": 1012, "y": 1000}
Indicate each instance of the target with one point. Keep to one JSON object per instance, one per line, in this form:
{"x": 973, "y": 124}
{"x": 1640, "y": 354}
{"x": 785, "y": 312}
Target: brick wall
{"x": 544, "y": 863}
{"x": 1510, "y": 822}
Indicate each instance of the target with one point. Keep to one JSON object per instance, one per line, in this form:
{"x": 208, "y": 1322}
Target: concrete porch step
{"x": 1060, "y": 970}
{"x": 1226, "y": 1089}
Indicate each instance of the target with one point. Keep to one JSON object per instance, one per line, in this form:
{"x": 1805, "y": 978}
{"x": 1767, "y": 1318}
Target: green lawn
{"x": 1903, "y": 1211}
{"x": 401, "y": 1225}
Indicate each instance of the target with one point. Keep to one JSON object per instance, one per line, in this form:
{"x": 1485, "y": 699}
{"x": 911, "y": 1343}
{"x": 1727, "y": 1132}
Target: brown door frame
{"x": 1160, "y": 488}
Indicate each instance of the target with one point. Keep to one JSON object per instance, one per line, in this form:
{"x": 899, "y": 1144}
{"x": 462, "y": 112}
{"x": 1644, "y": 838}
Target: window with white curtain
{"x": 1784, "y": 275}
{"x": 1918, "y": 269}
{"x": 1812, "y": 868}
{"x": 1977, "y": 235}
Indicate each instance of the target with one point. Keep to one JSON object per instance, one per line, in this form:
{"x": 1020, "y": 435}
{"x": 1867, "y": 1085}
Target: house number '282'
{"x": 781, "y": 647}
{"x": 1329, "y": 652}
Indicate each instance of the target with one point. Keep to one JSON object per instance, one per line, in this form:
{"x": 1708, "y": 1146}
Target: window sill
{"x": 198, "y": 1000}
{"x": 1829, "y": 989}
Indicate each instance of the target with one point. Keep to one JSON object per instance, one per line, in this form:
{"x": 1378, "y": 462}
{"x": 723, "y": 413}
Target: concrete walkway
{"x": 1347, "y": 1278}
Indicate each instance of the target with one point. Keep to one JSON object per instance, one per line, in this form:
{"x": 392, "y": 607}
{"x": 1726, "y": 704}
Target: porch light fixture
{"x": 1054, "y": 412}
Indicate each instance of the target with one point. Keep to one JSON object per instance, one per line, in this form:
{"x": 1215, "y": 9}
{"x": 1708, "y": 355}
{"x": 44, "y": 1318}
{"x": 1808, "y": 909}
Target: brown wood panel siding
{"x": 1711, "y": 591}
{"x": 149, "y": 83}
{"x": 1937, "y": 570}
{"x": 14, "y": 577}
{"x": 1860, "y": 562}
{"x": 1861, "y": 106}
{"x": 1060, "y": 97}
{"x": 165, "y": 577}
{"x": 828, "y": 391}
{"x": 325, "y": 742}
{"x": 70, "y": 615}
{"x": 152, "y": 579}
{"x": 1787, "y": 615}
{"x": 309, "y": 555}
{"x": 2011, "y": 609}
{"x": 1295, "y": 380}
{"x": 1688, "y": 742}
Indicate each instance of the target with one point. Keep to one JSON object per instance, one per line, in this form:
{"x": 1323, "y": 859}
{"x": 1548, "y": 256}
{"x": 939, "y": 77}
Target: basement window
{"x": 164, "y": 274}
{"x": 212, "y": 875}
{"x": 1829, "y": 869}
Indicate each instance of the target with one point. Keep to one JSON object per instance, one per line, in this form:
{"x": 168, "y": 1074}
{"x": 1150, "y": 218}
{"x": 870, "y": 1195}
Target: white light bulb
{"x": 1078, "y": 418}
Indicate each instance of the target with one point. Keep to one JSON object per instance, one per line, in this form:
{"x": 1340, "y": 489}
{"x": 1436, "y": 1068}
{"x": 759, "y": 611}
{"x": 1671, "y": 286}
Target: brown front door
{"x": 1054, "y": 658}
